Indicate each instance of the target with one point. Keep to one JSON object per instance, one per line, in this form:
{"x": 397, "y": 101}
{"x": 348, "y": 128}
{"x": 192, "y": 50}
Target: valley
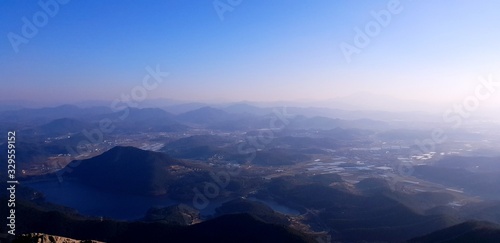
{"x": 323, "y": 177}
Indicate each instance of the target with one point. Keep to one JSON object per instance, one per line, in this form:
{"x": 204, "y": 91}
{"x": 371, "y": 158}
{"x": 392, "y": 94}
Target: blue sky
{"x": 261, "y": 50}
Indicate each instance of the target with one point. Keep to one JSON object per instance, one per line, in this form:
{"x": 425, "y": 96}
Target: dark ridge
{"x": 256, "y": 209}
{"x": 470, "y": 231}
{"x": 228, "y": 228}
{"x": 373, "y": 185}
{"x": 180, "y": 214}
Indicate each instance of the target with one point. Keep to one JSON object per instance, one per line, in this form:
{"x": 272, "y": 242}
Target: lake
{"x": 92, "y": 202}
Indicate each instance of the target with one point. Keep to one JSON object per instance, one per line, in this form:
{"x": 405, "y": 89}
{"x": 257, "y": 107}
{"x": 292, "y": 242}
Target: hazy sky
{"x": 259, "y": 50}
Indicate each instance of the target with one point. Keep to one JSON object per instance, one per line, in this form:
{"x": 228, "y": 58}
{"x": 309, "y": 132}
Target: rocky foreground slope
{"x": 44, "y": 238}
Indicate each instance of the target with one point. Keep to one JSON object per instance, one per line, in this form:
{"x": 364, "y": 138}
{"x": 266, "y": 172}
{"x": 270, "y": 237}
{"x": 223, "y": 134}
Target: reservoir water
{"x": 92, "y": 202}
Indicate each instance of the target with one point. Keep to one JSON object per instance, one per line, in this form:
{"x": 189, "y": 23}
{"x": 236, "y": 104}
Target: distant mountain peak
{"x": 204, "y": 115}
